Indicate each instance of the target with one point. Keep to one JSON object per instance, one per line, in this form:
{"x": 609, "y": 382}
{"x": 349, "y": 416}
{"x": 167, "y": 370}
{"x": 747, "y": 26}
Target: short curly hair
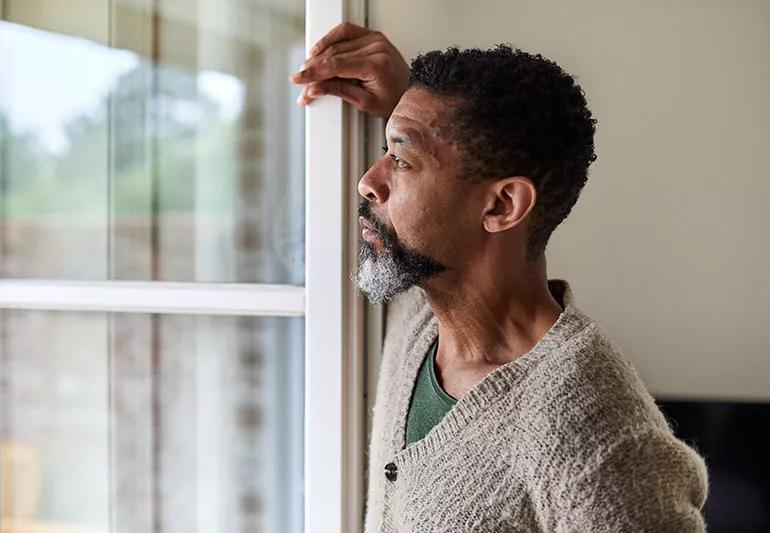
{"x": 516, "y": 114}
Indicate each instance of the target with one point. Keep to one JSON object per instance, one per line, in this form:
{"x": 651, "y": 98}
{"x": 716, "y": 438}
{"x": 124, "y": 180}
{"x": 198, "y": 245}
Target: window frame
{"x": 335, "y": 393}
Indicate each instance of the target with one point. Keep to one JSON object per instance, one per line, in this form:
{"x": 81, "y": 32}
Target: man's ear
{"x": 508, "y": 202}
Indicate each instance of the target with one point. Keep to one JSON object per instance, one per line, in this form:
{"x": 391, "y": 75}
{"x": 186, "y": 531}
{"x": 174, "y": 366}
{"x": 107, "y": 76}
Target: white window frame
{"x": 334, "y": 313}
{"x": 335, "y": 366}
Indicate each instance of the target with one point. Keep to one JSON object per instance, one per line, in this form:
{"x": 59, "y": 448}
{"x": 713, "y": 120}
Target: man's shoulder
{"x": 608, "y": 445}
{"x": 592, "y": 386}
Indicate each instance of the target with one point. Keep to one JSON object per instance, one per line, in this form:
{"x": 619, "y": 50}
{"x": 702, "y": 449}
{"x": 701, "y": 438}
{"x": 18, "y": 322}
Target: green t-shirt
{"x": 429, "y": 401}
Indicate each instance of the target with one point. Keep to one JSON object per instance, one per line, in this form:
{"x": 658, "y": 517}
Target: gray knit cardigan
{"x": 563, "y": 439}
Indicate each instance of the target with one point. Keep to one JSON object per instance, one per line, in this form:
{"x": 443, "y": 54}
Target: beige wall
{"x": 668, "y": 246}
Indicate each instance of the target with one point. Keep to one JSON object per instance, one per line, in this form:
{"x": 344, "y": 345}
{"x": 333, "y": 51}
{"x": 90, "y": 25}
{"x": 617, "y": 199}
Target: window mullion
{"x": 153, "y": 297}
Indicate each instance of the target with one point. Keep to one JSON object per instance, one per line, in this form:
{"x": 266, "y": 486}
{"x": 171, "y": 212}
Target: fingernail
{"x": 297, "y": 74}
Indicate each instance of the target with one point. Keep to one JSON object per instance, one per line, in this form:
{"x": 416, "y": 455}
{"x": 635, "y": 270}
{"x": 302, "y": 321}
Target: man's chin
{"x": 383, "y": 274}
{"x": 378, "y": 298}
{"x": 379, "y": 282}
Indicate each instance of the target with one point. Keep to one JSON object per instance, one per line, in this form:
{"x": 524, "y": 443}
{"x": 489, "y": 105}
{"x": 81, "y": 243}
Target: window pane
{"x": 151, "y": 140}
{"x": 139, "y": 423}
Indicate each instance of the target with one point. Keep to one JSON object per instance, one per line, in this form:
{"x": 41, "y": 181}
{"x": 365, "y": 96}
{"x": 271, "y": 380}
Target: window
{"x": 179, "y": 347}
{"x": 159, "y": 422}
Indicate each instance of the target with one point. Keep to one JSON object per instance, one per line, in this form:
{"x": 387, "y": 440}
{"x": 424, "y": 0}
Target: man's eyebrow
{"x": 405, "y": 139}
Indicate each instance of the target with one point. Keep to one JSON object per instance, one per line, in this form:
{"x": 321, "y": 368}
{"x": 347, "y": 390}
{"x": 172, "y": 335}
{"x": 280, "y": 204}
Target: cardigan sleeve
{"x": 647, "y": 481}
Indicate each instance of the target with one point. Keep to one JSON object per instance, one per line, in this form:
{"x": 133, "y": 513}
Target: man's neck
{"x": 490, "y": 322}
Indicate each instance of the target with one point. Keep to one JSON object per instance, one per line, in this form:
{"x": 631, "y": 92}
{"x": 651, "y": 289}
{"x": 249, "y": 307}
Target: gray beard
{"x": 394, "y": 270}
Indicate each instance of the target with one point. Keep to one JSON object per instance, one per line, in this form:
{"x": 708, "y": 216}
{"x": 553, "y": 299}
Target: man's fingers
{"x": 350, "y": 65}
{"x": 344, "y": 62}
{"x": 304, "y": 98}
{"x": 358, "y": 65}
{"x": 359, "y": 45}
{"x": 348, "y": 90}
{"x": 341, "y": 32}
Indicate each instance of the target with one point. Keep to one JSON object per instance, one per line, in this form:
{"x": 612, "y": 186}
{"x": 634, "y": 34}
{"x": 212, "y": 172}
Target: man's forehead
{"x": 418, "y": 117}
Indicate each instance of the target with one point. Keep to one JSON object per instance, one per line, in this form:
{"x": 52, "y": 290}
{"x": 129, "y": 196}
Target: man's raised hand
{"x": 359, "y": 65}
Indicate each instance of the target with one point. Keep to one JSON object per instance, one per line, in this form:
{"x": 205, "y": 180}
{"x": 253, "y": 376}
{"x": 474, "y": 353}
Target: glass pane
{"x": 151, "y": 140}
{"x": 140, "y": 423}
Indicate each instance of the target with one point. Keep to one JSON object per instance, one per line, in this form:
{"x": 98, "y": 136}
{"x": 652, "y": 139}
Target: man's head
{"x": 487, "y": 153}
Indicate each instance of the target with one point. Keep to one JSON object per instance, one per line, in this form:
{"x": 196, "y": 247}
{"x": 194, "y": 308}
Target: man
{"x": 501, "y": 406}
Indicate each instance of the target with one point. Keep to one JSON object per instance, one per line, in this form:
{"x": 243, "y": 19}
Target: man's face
{"x": 419, "y": 216}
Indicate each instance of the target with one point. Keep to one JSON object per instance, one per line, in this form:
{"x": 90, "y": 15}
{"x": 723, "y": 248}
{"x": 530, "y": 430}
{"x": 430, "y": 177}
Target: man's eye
{"x": 385, "y": 148}
{"x": 400, "y": 163}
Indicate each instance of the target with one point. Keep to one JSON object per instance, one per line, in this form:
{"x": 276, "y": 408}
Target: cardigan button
{"x": 391, "y": 471}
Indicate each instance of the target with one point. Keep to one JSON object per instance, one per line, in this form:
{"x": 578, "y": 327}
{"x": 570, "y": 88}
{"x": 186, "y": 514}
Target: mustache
{"x": 365, "y": 211}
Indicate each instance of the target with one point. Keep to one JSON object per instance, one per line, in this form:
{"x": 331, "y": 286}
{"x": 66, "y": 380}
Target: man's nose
{"x": 373, "y": 185}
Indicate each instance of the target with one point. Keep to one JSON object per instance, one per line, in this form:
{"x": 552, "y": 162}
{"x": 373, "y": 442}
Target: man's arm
{"x": 648, "y": 481}
{"x": 359, "y": 65}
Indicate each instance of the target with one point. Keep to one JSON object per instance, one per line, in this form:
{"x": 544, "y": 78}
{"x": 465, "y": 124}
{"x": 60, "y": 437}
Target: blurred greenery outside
{"x": 144, "y": 125}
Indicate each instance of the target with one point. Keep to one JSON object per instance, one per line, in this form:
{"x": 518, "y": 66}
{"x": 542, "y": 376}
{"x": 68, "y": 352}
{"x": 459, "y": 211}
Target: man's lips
{"x": 365, "y": 223}
{"x": 368, "y": 233}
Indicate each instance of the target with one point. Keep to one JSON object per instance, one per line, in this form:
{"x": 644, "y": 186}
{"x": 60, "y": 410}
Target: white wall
{"x": 668, "y": 245}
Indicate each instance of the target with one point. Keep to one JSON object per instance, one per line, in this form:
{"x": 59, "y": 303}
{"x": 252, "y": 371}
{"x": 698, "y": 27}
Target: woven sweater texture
{"x": 563, "y": 439}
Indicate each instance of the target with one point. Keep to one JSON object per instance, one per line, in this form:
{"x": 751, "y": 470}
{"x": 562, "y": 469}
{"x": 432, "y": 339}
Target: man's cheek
{"x": 412, "y": 221}
{"x": 417, "y": 235}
